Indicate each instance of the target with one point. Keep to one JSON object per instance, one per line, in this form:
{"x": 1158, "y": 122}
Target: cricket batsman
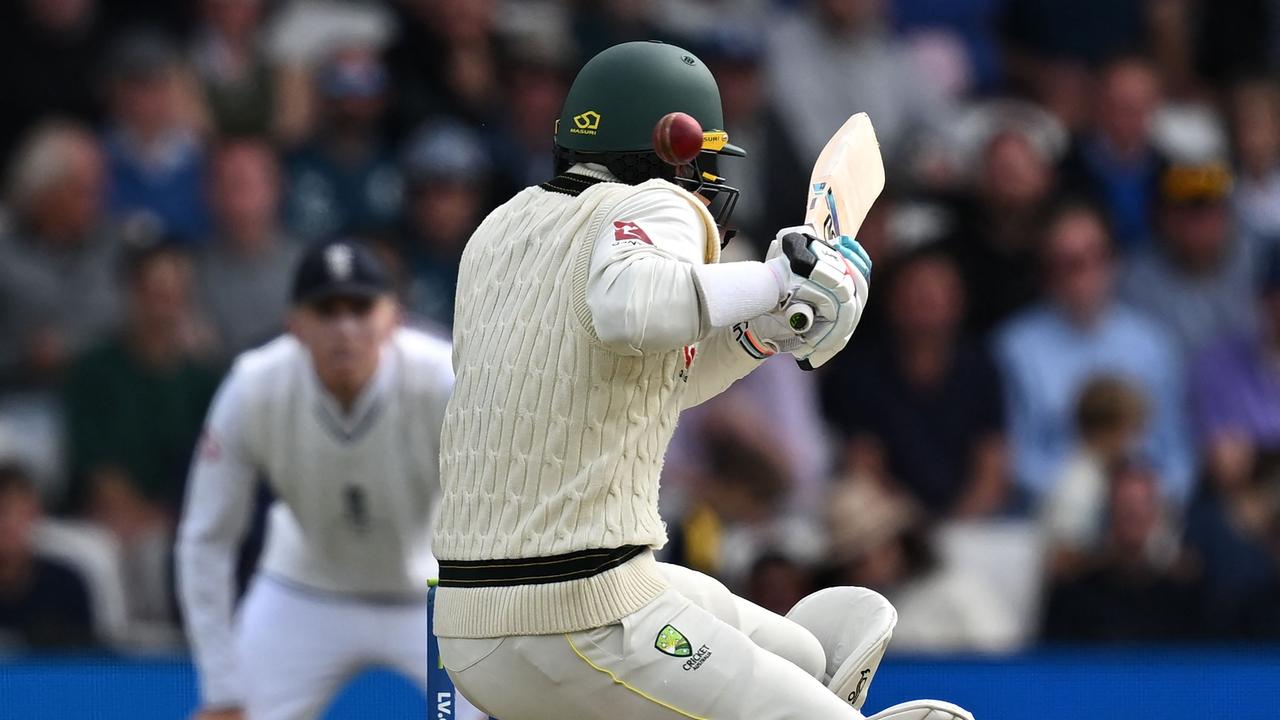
{"x": 341, "y": 418}
{"x": 592, "y": 309}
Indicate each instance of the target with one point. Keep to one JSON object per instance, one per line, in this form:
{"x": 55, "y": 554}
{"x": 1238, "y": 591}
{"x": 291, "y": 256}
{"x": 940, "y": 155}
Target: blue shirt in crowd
{"x": 1236, "y": 386}
{"x": 164, "y": 184}
{"x": 326, "y": 197}
{"x": 1046, "y": 360}
{"x": 1196, "y": 310}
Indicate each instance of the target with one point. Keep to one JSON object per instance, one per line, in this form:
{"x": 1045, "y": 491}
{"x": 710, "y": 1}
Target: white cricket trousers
{"x": 296, "y": 648}
{"x": 724, "y": 659}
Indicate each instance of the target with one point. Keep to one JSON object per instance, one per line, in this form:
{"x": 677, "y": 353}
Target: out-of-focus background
{"x": 1057, "y": 426}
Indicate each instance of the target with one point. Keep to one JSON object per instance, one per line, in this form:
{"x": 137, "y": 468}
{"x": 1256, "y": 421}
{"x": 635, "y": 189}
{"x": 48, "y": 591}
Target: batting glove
{"x": 834, "y": 280}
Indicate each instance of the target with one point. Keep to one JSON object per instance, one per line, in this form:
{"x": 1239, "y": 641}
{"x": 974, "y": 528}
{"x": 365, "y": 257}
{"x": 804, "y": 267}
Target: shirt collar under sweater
{"x": 369, "y": 399}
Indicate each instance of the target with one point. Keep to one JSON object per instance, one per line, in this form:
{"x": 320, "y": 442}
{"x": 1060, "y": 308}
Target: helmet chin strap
{"x": 716, "y": 193}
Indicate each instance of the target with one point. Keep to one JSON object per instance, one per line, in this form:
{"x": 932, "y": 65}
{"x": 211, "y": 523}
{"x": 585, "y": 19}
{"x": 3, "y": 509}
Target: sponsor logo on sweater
{"x": 626, "y": 231}
{"x": 690, "y": 352}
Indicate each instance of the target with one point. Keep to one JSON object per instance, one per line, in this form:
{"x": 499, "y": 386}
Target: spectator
{"x": 837, "y": 56}
{"x": 778, "y": 582}
{"x": 345, "y": 181}
{"x": 1255, "y": 123}
{"x": 61, "y": 41}
{"x": 1048, "y": 353}
{"x": 1088, "y": 32}
{"x": 1261, "y": 615}
{"x": 739, "y": 510}
{"x": 601, "y": 25}
{"x": 155, "y": 160}
{"x": 58, "y": 242}
{"x": 1236, "y": 389}
{"x": 1110, "y": 420}
{"x": 880, "y": 542}
{"x": 134, "y": 407}
{"x": 699, "y": 18}
{"x": 781, "y": 404}
{"x": 445, "y": 60}
{"x": 1051, "y": 46}
{"x": 536, "y": 83}
{"x": 230, "y": 62}
{"x": 1140, "y": 586}
{"x": 970, "y": 25}
{"x": 994, "y": 240}
{"x": 448, "y": 171}
{"x": 1115, "y": 161}
{"x": 300, "y": 38}
{"x": 1236, "y": 394}
{"x": 1199, "y": 279}
{"x": 244, "y": 271}
{"x": 44, "y": 604}
{"x": 921, "y": 413}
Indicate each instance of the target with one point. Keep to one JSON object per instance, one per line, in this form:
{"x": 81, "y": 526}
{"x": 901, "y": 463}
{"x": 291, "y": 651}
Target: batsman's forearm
{"x": 719, "y": 362}
{"x": 737, "y": 291}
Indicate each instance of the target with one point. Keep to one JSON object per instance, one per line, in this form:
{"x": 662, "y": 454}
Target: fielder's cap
{"x": 1195, "y": 183}
{"x": 339, "y": 268}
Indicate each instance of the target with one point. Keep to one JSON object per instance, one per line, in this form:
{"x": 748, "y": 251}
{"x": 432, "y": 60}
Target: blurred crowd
{"x": 1060, "y": 418}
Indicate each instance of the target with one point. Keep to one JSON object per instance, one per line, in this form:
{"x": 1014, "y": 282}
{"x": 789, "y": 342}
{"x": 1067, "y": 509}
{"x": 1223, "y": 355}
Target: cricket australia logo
{"x": 695, "y": 662}
{"x": 586, "y": 123}
{"x": 672, "y": 642}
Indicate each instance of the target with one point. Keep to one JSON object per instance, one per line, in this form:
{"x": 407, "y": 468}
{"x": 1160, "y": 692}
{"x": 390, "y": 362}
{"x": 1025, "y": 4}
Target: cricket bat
{"x": 846, "y": 179}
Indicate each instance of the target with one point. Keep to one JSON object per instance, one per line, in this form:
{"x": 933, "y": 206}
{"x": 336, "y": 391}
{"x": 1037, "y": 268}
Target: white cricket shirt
{"x": 354, "y": 492}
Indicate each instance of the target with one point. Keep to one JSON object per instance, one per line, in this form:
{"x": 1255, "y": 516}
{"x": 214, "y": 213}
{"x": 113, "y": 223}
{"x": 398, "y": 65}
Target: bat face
{"x": 847, "y": 178}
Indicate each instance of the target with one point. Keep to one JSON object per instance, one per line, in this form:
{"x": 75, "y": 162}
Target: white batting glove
{"x": 833, "y": 281}
{"x": 767, "y": 334}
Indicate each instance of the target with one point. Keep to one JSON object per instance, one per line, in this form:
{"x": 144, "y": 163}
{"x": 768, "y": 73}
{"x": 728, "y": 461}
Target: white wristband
{"x": 736, "y": 291}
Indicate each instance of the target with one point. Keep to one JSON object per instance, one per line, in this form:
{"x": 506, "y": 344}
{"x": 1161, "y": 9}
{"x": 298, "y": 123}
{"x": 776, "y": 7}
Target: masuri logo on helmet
{"x": 586, "y": 123}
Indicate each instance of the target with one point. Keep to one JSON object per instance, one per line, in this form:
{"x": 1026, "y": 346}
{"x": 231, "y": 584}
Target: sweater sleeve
{"x": 720, "y": 361}
{"x": 649, "y": 289}
{"x": 219, "y": 504}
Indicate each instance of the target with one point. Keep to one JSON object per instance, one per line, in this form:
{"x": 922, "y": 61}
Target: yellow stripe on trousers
{"x": 619, "y": 681}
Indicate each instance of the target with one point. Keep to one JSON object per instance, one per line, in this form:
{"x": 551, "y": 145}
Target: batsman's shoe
{"x": 923, "y": 710}
{"x": 854, "y": 626}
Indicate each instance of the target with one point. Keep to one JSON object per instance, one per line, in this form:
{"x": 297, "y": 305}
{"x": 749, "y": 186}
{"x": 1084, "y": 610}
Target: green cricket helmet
{"x": 618, "y": 97}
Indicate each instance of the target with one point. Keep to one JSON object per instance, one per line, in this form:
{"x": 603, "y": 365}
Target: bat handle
{"x": 799, "y": 317}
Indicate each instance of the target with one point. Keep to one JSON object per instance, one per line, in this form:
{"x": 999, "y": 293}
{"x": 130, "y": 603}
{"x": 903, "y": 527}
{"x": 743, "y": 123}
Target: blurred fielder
{"x": 341, "y": 417}
{"x": 591, "y": 309}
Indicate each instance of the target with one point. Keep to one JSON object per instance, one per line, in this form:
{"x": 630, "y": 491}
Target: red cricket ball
{"x": 677, "y": 138}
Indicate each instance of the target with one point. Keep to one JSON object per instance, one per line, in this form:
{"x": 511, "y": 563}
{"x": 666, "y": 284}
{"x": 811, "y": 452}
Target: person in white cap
{"x": 341, "y": 418}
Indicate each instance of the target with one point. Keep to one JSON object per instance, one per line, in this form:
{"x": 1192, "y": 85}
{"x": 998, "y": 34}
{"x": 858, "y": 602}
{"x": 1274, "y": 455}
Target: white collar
{"x": 594, "y": 170}
{"x": 368, "y": 402}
